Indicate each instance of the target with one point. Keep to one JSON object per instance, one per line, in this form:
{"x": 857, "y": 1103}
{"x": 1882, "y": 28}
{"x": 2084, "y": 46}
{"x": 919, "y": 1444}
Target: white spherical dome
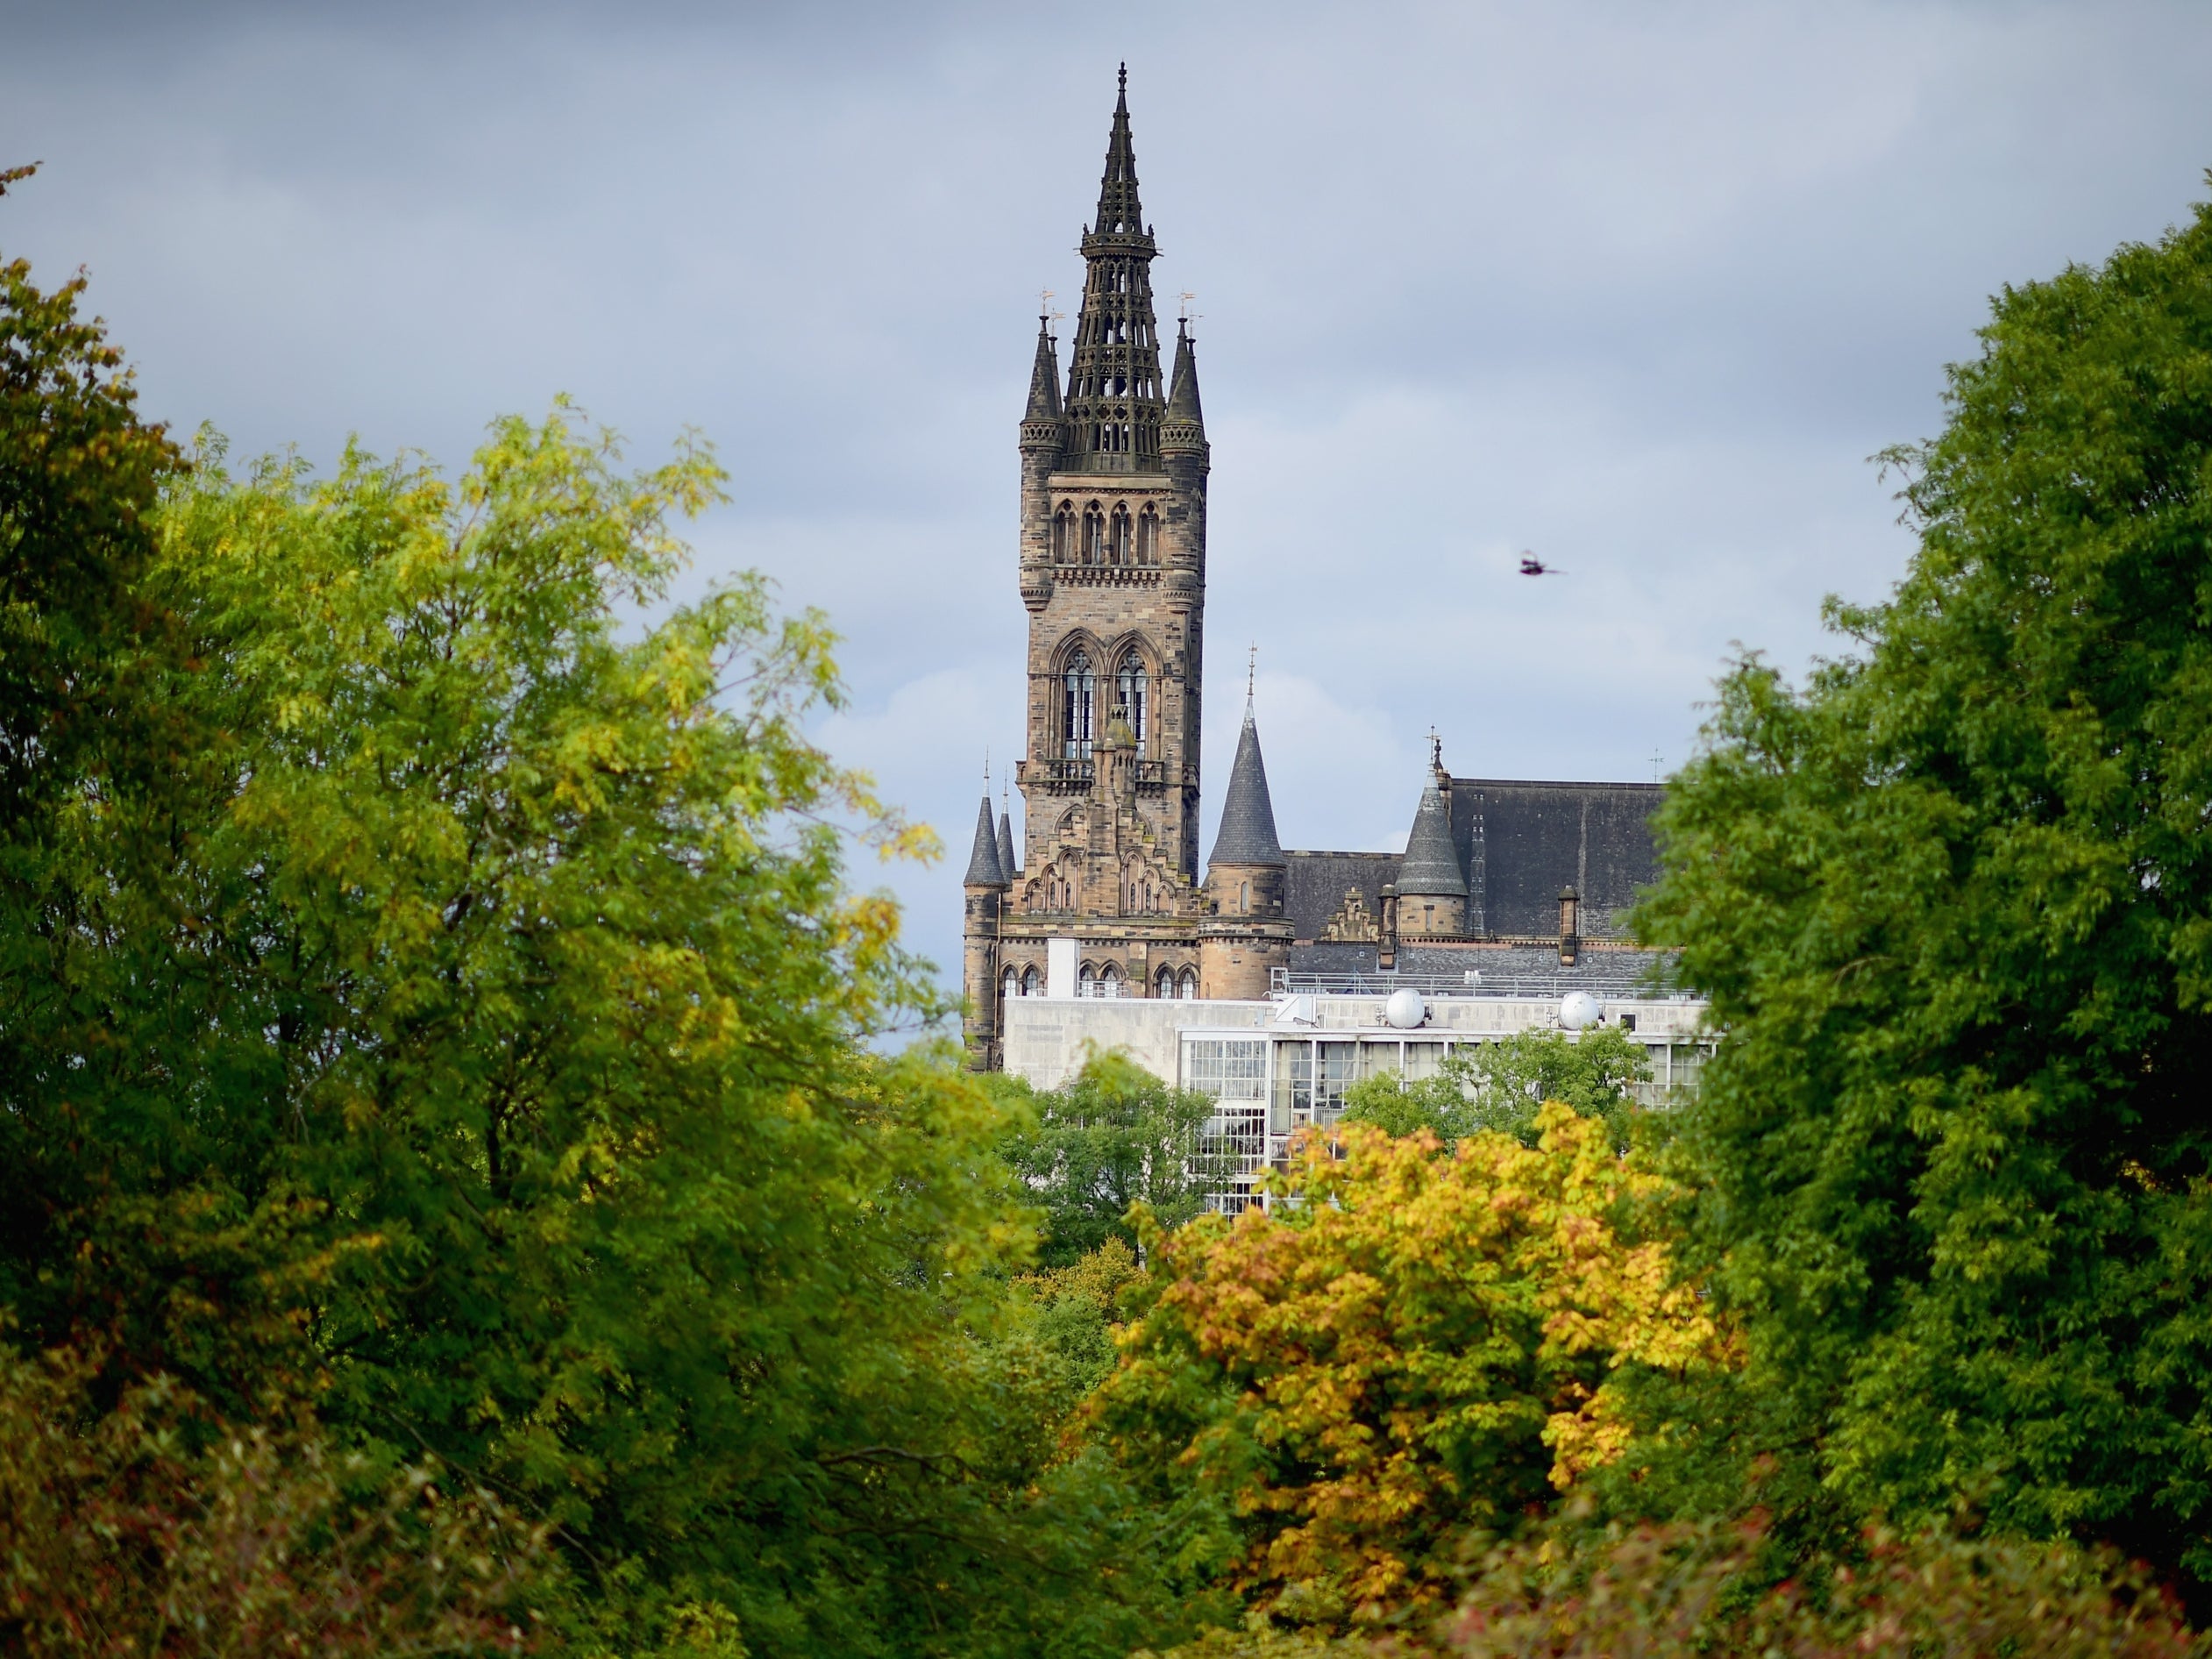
{"x": 1405, "y": 1010}
{"x": 1578, "y": 1011}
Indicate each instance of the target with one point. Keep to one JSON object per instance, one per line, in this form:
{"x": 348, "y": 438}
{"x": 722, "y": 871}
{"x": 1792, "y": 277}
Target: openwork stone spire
{"x": 1114, "y": 395}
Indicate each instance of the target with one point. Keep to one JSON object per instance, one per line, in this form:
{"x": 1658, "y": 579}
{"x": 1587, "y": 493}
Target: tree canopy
{"x": 1953, "y": 902}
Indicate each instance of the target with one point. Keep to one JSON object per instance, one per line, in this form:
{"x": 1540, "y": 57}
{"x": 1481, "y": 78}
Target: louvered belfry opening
{"x": 1115, "y": 397}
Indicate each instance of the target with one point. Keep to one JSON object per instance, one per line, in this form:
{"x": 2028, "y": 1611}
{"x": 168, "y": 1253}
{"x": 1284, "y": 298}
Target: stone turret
{"x": 1045, "y": 435}
{"x": 1245, "y": 933}
{"x": 1431, "y": 887}
{"x": 986, "y": 886}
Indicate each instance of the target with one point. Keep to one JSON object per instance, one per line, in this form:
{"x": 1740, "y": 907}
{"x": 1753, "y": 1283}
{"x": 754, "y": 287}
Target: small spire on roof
{"x": 1247, "y": 835}
{"x": 983, "y": 869}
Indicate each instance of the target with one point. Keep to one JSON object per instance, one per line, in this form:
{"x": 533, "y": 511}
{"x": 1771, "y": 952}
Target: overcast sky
{"x": 1636, "y": 285}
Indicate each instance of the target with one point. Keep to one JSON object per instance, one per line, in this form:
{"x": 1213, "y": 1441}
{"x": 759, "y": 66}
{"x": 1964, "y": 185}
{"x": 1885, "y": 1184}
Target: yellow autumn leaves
{"x": 1409, "y": 1344}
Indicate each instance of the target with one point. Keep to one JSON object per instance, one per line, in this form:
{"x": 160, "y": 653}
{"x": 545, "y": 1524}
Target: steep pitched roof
{"x": 1044, "y": 377}
{"x": 1009, "y": 866}
{"x": 1248, "y": 815}
{"x": 1432, "y": 865}
{"x": 1182, "y": 389}
{"x": 983, "y": 862}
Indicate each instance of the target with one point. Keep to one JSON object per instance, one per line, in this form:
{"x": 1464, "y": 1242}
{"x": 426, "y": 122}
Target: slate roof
{"x": 1248, "y": 814}
{"x": 1009, "y": 866}
{"x": 1182, "y": 389}
{"x": 1431, "y": 864}
{"x": 1520, "y": 841}
{"x": 983, "y": 862}
{"x": 1044, "y": 378}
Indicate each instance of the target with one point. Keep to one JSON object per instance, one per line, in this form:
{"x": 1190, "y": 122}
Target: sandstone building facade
{"x": 1103, "y": 893}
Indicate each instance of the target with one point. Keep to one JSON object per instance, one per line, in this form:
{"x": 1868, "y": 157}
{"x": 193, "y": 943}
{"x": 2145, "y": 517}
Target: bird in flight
{"x": 1532, "y": 565}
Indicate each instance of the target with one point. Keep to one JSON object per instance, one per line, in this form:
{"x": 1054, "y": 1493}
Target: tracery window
{"x": 1147, "y": 537}
{"x": 1012, "y": 982}
{"x": 1186, "y": 987}
{"x": 1093, "y": 535}
{"x": 1163, "y": 984}
{"x": 1028, "y": 981}
{"x": 1118, "y": 538}
{"x": 1132, "y": 690}
{"x": 1078, "y": 706}
{"x": 1063, "y": 535}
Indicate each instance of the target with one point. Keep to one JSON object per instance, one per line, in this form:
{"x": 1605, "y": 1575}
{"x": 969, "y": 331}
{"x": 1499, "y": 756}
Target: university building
{"x": 1098, "y": 922}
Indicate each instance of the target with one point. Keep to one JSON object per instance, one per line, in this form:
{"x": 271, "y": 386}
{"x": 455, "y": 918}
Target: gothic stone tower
{"x": 1113, "y": 573}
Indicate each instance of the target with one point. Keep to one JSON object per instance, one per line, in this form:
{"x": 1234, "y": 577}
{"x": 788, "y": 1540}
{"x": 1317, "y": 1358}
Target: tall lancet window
{"x": 1093, "y": 536}
{"x": 1118, "y": 538}
{"x": 1148, "y": 538}
{"x": 1078, "y": 700}
{"x": 1063, "y": 535}
{"x": 1129, "y": 693}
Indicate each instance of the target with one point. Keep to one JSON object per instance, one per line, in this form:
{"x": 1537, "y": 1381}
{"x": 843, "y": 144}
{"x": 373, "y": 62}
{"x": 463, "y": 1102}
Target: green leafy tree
{"x": 1115, "y": 1136}
{"x": 471, "y": 1026}
{"x": 1952, "y": 903}
{"x": 1502, "y": 1085}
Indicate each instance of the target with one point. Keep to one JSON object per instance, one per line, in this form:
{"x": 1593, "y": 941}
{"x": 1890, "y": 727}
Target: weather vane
{"x": 1655, "y": 758}
{"x": 1187, "y": 313}
{"x": 1251, "y": 669}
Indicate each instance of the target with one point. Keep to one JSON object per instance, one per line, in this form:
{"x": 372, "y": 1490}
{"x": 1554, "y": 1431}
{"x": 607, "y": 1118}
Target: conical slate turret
{"x": 1009, "y": 866}
{"x": 1248, "y": 815}
{"x": 1430, "y": 867}
{"x": 984, "y": 869}
{"x": 1044, "y": 377}
{"x": 1183, "y": 394}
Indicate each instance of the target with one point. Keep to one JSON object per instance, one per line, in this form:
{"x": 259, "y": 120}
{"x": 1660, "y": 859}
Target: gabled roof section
{"x": 983, "y": 862}
{"x": 1247, "y": 815}
{"x": 1432, "y": 865}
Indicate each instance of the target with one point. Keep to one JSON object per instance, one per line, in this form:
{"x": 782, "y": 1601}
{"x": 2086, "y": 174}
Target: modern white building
{"x": 1275, "y": 1066}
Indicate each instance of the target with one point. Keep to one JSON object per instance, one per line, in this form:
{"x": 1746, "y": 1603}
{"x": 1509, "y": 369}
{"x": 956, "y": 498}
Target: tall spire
{"x": 1009, "y": 866}
{"x": 1114, "y": 401}
{"x": 1248, "y": 813}
{"x": 1120, "y": 213}
{"x": 983, "y": 862}
{"x": 1044, "y": 378}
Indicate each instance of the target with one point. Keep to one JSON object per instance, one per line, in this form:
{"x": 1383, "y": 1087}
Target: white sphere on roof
{"x": 1405, "y": 1010}
{"x": 1578, "y": 1011}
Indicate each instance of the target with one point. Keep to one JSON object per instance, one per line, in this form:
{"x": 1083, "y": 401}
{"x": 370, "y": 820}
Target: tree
{"x": 1503, "y": 1087}
{"x": 1952, "y": 903}
{"x": 147, "y": 1525}
{"x": 1115, "y": 1136}
{"x": 478, "y": 1004}
{"x": 1408, "y": 1344}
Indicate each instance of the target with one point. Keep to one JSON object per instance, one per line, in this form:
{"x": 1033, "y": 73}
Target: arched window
{"x": 1131, "y": 699}
{"x": 1244, "y": 898}
{"x": 1011, "y": 984}
{"x": 1109, "y": 980}
{"x": 1028, "y": 981}
{"x": 1148, "y": 538}
{"x": 1164, "y": 985}
{"x": 1078, "y": 706}
{"x": 1093, "y": 535}
{"x": 1063, "y": 534}
{"x": 1118, "y": 551}
{"x": 1187, "y": 988}
{"x": 1086, "y": 983}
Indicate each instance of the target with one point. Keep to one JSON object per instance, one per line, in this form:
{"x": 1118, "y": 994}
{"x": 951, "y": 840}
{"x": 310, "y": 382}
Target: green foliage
{"x": 79, "y": 473}
{"x": 1705, "y": 1589}
{"x": 1953, "y": 902}
{"x": 472, "y": 1028}
{"x": 1502, "y": 1086}
{"x": 1113, "y": 1136}
{"x": 145, "y": 1525}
